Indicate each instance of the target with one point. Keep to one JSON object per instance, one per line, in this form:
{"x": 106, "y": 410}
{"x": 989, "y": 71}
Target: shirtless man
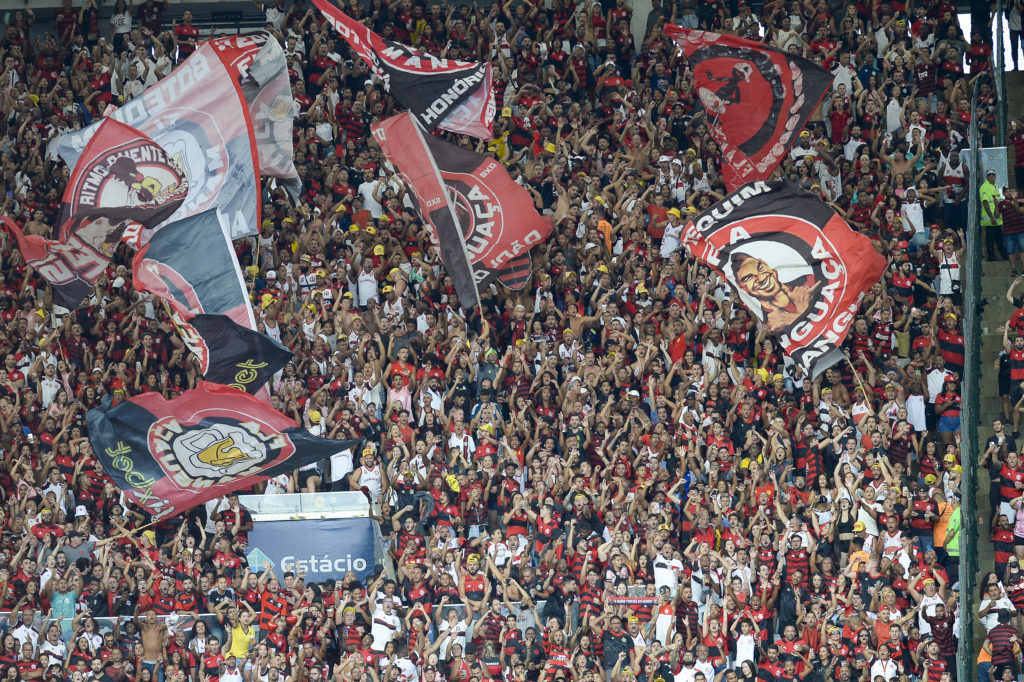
{"x": 154, "y": 634}
{"x": 37, "y": 225}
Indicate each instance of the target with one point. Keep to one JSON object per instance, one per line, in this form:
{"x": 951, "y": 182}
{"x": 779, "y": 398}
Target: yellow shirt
{"x": 240, "y": 641}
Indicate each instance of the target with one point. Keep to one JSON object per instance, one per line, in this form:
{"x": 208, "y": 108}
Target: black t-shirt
{"x": 614, "y": 645}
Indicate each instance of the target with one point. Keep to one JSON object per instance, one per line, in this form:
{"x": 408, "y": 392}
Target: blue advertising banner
{"x": 323, "y": 548}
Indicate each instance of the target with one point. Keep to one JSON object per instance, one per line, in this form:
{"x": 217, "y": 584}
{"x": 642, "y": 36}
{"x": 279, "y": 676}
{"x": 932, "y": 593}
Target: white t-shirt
{"x": 665, "y": 572}
{"x": 57, "y": 651}
{"x": 670, "y": 242}
{"x": 384, "y": 627}
{"x": 121, "y": 23}
{"x": 458, "y": 631}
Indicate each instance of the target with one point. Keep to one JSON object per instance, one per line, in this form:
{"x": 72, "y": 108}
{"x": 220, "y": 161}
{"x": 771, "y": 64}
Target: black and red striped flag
{"x": 483, "y": 222}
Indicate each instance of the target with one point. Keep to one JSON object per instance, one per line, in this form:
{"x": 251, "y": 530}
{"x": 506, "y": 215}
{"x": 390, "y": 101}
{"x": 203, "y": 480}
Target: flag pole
{"x": 856, "y": 375}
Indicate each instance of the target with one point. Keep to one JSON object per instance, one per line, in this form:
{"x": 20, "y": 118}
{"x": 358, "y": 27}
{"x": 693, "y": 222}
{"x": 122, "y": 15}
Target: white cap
{"x": 80, "y": 510}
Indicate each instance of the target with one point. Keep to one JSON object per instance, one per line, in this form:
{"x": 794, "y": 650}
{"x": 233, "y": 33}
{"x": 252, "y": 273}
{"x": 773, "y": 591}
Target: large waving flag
{"x": 231, "y": 354}
{"x": 441, "y": 93}
{"x": 198, "y": 114}
{"x": 483, "y": 222}
{"x": 171, "y": 455}
{"x": 191, "y": 265}
{"x": 122, "y": 177}
{"x": 756, "y": 99}
{"x": 794, "y": 262}
{"x": 261, "y": 68}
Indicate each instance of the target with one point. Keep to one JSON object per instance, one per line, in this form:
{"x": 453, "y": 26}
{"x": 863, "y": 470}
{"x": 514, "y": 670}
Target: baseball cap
{"x": 858, "y": 526}
{"x": 378, "y": 250}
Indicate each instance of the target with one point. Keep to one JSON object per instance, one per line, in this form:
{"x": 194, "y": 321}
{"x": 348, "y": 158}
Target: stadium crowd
{"x": 610, "y": 475}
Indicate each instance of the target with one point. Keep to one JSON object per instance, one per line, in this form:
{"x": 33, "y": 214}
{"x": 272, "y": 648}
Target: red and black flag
{"x": 794, "y": 262}
{"x": 231, "y": 354}
{"x": 121, "y": 177}
{"x": 198, "y": 114}
{"x": 756, "y": 99}
{"x": 482, "y": 221}
{"x": 441, "y": 93}
{"x": 171, "y": 455}
{"x": 191, "y": 265}
{"x": 261, "y": 68}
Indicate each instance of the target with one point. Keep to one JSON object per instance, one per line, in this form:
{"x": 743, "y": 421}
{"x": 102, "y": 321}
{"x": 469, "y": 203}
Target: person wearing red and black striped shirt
{"x": 1002, "y": 543}
{"x": 951, "y": 343}
{"x": 1011, "y": 210}
{"x": 1015, "y": 359}
{"x": 1003, "y": 641}
{"x": 942, "y": 635}
{"x": 272, "y": 601}
{"x": 590, "y": 595}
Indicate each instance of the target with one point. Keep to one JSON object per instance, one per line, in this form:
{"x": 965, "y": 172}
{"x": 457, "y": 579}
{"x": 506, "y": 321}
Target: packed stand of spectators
{"x": 613, "y": 474}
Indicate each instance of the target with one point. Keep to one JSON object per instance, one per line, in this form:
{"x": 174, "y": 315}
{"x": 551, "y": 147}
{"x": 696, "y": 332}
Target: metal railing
{"x": 106, "y": 624}
{"x": 971, "y": 380}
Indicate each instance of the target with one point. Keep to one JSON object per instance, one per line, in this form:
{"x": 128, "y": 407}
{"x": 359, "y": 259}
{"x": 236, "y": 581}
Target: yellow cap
{"x": 859, "y": 526}
{"x": 378, "y": 250}
{"x": 453, "y": 482}
{"x": 675, "y": 212}
{"x": 387, "y": 289}
{"x": 550, "y": 147}
{"x": 353, "y": 228}
{"x": 315, "y": 416}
